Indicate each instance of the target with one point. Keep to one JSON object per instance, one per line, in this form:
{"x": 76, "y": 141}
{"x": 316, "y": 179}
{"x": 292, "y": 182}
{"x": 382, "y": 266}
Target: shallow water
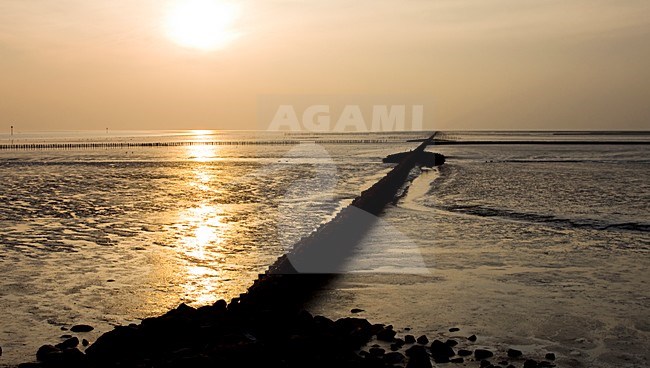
{"x": 539, "y": 248}
{"x": 541, "y": 256}
{"x": 110, "y": 236}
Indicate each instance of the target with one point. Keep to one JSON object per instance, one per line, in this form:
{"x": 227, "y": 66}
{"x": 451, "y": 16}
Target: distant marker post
{"x": 12, "y": 130}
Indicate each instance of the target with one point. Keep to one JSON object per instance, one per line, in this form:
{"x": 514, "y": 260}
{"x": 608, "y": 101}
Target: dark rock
{"x": 323, "y": 322}
{"x": 376, "y": 351}
{"x": 441, "y": 359}
{"x": 124, "y": 342}
{"x": 357, "y": 310}
{"x": 394, "y": 358}
{"x": 549, "y": 356}
{"x": 48, "y": 353}
{"x": 530, "y": 364}
{"x": 65, "y": 336}
{"x": 185, "y": 309}
{"x": 73, "y": 355}
{"x": 415, "y": 349}
{"x": 463, "y": 352}
{"x": 409, "y": 339}
{"x": 357, "y": 331}
{"x": 63, "y": 328}
{"x": 451, "y": 342}
{"x": 545, "y": 364}
{"x": 85, "y": 342}
{"x": 421, "y": 362}
{"x": 82, "y": 328}
{"x": 30, "y": 365}
{"x": 511, "y": 366}
{"x": 418, "y": 357}
{"x": 503, "y": 362}
{"x": 0, "y": 350}
{"x": 428, "y": 159}
{"x": 439, "y": 350}
{"x": 69, "y": 343}
{"x": 485, "y": 364}
{"x": 454, "y": 329}
{"x": 514, "y": 353}
{"x": 387, "y": 334}
{"x": 376, "y": 328}
{"x": 472, "y": 338}
{"x": 423, "y": 340}
{"x": 457, "y": 360}
{"x": 220, "y": 305}
{"x": 481, "y": 354}
{"x": 397, "y": 344}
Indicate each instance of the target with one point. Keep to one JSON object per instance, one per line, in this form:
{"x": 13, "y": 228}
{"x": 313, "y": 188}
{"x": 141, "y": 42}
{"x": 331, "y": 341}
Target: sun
{"x": 201, "y": 24}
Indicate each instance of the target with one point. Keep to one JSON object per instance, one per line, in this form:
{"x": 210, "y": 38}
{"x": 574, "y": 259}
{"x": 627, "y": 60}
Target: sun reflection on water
{"x": 203, "y": 152}
{"x": 208, "y": 249}
{"x": 201, "y": 246}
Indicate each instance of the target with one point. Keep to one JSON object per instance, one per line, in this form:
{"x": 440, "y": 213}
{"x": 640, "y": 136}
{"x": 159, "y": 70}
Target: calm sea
{"x": 544, "y": 248}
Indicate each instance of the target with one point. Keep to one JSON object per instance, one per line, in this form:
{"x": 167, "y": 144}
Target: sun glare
{"x": 201, "y": 24}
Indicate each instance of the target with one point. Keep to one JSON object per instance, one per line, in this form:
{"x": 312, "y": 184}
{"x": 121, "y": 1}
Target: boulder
{"x": 486, "y": 364}
{"x": 394, "y": 358}
{"x": 530, "y": 364}
{"x": 386, "y": 334}
{"x": 69, "y": 343}
{"x": 441, "y": 351}
{"x": 418, "y": 357}
{"x": 409, "y": 339}
{"x": 451, "y": 342}
{"x": 82, "y": 328}
{"x": 481, "y": 354}
{"x": 48, "y": 354}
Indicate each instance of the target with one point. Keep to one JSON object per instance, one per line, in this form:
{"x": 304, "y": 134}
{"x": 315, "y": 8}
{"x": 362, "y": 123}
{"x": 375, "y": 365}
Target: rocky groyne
{"x": 266, "y": 326}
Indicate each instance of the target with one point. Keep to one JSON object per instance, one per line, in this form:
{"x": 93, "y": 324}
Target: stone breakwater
{"x": 267, "y": 327}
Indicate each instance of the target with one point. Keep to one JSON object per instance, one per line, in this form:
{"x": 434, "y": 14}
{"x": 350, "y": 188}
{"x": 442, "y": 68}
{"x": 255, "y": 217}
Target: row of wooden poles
{"x": 93, "y": 145}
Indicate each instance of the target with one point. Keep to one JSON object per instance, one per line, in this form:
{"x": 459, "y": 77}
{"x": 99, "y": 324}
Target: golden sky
{"x": 487, "y": 64}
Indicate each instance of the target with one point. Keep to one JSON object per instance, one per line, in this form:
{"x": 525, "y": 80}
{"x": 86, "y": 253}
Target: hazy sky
{"x": 487, "y": 64}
